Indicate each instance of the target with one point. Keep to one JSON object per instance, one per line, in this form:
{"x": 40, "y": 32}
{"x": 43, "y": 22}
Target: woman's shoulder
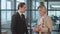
{"x": 48, "y": 18}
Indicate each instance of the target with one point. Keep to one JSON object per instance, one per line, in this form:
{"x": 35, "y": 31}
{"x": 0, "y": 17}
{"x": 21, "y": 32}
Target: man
{"x": 18, "y": 25}
{"x": 44, "y": 25}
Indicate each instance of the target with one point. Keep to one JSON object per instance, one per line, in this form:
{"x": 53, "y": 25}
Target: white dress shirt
{"x": 19, "y": 13}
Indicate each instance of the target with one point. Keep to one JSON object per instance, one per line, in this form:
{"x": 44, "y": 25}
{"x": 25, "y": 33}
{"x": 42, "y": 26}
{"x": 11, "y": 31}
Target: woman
{"x": 44, "y": 24}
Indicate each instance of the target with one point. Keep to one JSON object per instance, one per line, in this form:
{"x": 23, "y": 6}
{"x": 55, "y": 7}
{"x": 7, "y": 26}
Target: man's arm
{"x": 13, "y": 24}
{"x": 25, "y": 26}
{"x": 26, "y": 30}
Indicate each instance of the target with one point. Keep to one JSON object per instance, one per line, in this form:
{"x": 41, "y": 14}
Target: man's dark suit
{"x": 18, "y": 25}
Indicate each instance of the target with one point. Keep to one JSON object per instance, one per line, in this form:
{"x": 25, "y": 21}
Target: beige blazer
{"x": 47, "y": 24}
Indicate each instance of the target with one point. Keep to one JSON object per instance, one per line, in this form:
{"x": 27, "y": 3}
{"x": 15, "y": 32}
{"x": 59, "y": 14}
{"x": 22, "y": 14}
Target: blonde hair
{"x": 42, "y": 7}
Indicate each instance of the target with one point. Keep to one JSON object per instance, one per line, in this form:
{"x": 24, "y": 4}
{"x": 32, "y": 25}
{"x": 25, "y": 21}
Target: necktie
{"x": 22, "y": 16}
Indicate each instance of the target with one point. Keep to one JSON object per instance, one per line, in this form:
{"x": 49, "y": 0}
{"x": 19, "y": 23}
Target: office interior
{"x": 9, "y": 7}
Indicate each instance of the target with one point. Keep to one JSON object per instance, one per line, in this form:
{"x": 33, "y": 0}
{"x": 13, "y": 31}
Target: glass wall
{"x": 5, "y": 16}
{"x": 54, "y": 13}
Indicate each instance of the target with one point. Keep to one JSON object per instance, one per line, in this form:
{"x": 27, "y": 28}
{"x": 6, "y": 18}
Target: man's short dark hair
{"x": 21, "y": 4}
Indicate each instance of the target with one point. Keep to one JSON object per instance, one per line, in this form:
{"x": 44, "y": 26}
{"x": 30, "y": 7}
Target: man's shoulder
{"x": 15, "y": 14}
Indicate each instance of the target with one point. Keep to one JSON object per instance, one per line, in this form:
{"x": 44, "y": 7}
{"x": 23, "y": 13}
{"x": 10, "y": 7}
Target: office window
{"x": 6, "y": 14}
{"x": 8, "y": 4}
{"x": 3, "y": 4}
{"x": 53, "y": 12}
{"x": 58, "y": 13}
{"x": 54, "y": 15}
{"x": 35, "y": 15}
{"x": 3, "y": 17}
{"x": 9, "y": 15}
{"x": 17, "y": 5}
{"x": 20, "y": 0}
{"x": 35, "y": 4}
{"x": 6, "y": 19}
{"x": 53, "y": 5}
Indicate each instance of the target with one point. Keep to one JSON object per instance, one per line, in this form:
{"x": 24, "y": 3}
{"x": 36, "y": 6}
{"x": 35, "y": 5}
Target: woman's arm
{"x": 47, "y": 26}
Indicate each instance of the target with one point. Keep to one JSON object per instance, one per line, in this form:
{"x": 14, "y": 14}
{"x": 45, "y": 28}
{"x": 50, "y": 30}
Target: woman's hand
{"x": 39, "y": 28}
{"x": 35, "y": 29}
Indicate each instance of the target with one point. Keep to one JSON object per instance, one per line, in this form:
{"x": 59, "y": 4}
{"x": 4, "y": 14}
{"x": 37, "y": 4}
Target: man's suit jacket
{"x": 18, "y": 25}
{"x": 48, "y": 25}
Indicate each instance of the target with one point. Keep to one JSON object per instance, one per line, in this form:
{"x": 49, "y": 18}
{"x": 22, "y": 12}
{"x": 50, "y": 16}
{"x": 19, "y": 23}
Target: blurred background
{"x": 9, "y": 7}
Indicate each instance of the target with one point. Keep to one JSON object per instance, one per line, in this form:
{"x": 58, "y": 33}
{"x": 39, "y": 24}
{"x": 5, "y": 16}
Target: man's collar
{"x": 19, "y": 13}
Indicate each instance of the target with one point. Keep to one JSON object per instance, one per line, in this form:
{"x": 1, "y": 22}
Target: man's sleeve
{"x": 25, "y": 26}
{"x": 13, "y": 24}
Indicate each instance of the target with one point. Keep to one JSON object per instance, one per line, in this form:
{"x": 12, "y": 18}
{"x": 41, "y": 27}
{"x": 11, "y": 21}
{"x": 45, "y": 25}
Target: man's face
{"x": 23, "y": 9}
{"x": 42, "y": 10}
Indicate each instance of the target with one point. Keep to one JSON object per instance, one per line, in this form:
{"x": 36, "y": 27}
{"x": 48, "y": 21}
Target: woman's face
{"x": 42, "y": 10}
